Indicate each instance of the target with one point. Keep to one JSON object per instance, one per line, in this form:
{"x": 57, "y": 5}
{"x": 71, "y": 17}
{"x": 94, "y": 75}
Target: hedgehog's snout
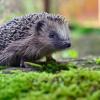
{"x": 62, "y": 44}
{"x": 66, "y": 44}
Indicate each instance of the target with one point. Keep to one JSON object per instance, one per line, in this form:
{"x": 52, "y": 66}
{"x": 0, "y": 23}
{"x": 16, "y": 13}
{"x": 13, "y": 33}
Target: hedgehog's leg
{"x": 50, "y": 58}
{"x": 23, "y": 64}
{"x": 26, "y": 66}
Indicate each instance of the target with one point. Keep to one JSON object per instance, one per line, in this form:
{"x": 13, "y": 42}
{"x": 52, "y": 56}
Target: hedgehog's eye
{"x": 52, "y": 34}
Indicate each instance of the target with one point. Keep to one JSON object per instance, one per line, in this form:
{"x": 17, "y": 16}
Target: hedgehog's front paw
{"x": 49, "y": 58}
{"x": 25, "y": 65}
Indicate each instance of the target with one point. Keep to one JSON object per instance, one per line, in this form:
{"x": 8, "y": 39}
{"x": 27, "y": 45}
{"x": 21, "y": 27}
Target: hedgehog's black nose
{"x": 66, "y": 44}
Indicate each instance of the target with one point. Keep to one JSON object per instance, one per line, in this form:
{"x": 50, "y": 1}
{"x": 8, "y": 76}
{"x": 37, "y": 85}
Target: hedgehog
{"x": 31, "y": 37}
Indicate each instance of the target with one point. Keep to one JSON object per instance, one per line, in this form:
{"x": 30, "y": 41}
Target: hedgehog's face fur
{"x": 54, "y": 33}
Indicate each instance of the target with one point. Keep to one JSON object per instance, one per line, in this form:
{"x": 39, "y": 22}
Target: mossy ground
{"x": 53, "y": 81}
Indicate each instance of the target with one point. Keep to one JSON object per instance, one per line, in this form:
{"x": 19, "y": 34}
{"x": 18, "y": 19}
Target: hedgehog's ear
{"x": 39, "y": 26}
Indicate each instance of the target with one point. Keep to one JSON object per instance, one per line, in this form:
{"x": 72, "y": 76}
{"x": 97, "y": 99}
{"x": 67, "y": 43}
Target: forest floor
{"x": 74, "y": 79}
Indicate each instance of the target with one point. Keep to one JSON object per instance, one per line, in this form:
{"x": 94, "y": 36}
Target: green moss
{"x": 52, "y": 81}
{"x": 80, "y": 84}
{"x": 98, "y": 61}
{"x": 51, "y": 66}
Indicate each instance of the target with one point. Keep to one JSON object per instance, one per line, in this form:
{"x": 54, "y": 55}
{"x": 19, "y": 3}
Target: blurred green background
{"x": 83, "y": 15}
